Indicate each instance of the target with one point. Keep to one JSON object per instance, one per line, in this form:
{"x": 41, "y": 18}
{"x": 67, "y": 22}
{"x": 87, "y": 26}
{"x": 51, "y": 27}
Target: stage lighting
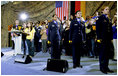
{"x": 23, "y": 16}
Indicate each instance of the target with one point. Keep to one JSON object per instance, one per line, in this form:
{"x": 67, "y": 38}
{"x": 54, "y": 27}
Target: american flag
{"x": 62, "y": 9}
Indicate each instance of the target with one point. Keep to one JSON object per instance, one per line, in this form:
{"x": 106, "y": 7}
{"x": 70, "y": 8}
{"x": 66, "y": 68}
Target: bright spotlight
{"x": 23, "y": 16}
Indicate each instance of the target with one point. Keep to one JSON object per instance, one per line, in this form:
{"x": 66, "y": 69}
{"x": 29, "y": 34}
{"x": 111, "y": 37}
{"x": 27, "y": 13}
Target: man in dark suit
{"x": 76, "y": 38}
{"x": 104, "y": 38}
{"x": 54, "y": 38}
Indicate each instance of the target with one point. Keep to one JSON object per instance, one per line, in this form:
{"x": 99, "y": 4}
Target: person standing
{"x": 16, "y": 37}
{"x": 24, "y": 38}
{"x": 114, "y": 28}
{"x": 90, "y": 38}
{"x": 54, "y": 38}
{"x": 65, "y": 38}
{"x": 75, "y": 37}
{"x": 104, "y": 38}
{"x": 71, "y": 17}
{"x": 29, "y": 38}
{"x": 15, "y": 27}
{"x": 37, "y": 37}
{"x": 44, "y": 38}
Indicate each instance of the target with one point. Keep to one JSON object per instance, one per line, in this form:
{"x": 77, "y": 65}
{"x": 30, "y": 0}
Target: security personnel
{"x": 75, "y": 37}
{"x": 54, "y": 38}
{"x": 104, "y": 38}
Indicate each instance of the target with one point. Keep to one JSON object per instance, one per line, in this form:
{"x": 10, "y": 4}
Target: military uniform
{"x": 104, "y": 34}
{"x": 76, "y": 35}
{"x": 54, "y": 38}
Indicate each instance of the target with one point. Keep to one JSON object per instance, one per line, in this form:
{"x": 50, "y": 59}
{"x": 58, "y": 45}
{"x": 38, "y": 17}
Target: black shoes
{"x": 80, "y": 66}
{"x": 110, "y": 71}
{"x": 75, "y": 66}
{"x": 91, "y": 57}
{"x": 106, "y": 71}
{"x": 114, "y": 59}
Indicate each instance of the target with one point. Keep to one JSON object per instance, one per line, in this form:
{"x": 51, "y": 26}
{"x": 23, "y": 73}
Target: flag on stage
{"x": 62, "y": 9}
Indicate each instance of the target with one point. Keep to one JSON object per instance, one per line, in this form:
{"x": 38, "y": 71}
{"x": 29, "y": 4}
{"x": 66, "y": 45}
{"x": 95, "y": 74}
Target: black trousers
{"x": 55, "y": 52}
{"x": 37, "y": 44}
{"x": 89, "y": 46}
{"x": 68, "y": 49}
{"x": 76, "y": 53}
{"x": 104, "y": 54}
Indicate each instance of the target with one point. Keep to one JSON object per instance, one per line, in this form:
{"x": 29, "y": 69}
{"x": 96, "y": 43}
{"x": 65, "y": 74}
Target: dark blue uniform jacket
{"x": 104, "y": 28}
{"x": 53, "y": 32}
{"x": 77, "y": 31}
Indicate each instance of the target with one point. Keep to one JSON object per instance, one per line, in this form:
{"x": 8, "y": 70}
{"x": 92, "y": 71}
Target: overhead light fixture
{"x": 23, "y": 16}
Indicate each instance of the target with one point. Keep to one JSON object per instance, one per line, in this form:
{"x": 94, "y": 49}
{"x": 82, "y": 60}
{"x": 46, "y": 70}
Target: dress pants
{"x": 55, "y": 52}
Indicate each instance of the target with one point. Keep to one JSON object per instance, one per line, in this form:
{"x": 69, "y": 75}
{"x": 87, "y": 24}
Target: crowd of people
{"x": 92, "y": 37}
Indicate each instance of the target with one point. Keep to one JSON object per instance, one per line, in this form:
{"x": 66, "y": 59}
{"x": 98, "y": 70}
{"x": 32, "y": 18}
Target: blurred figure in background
{"x": 71, "y": 17}
{"x": 15, "y": 27}
{"x": 29, "y": 38}
{"x": 37, "y": 37}
{"x": 16, "y": 38}
{"x": 90, "y": 36}
{"x": 24, "y": 37}
{"x": 114, "y": 28}
{"x": 44, "y": 38}
{"x": 65, "y": 38}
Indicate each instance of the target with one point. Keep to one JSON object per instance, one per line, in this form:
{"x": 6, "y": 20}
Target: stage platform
{"x": 90, "y": 65}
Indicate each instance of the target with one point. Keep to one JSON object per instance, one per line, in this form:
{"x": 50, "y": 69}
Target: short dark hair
{"x": 38, "y": 22}
{"x": 77, "y": 11}
{"x": 64, "y": 17}
{"x": 17, "y": 19}
{"x": 53, "y": 15}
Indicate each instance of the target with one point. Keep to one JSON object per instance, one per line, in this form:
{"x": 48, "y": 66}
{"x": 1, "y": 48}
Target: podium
{"x": 17, "y": 41}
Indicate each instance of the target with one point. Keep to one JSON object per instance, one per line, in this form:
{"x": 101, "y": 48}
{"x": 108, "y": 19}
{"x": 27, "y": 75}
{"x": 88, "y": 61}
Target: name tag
{"x": 53, "y": 25}
{"x": 75, "y": 24}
